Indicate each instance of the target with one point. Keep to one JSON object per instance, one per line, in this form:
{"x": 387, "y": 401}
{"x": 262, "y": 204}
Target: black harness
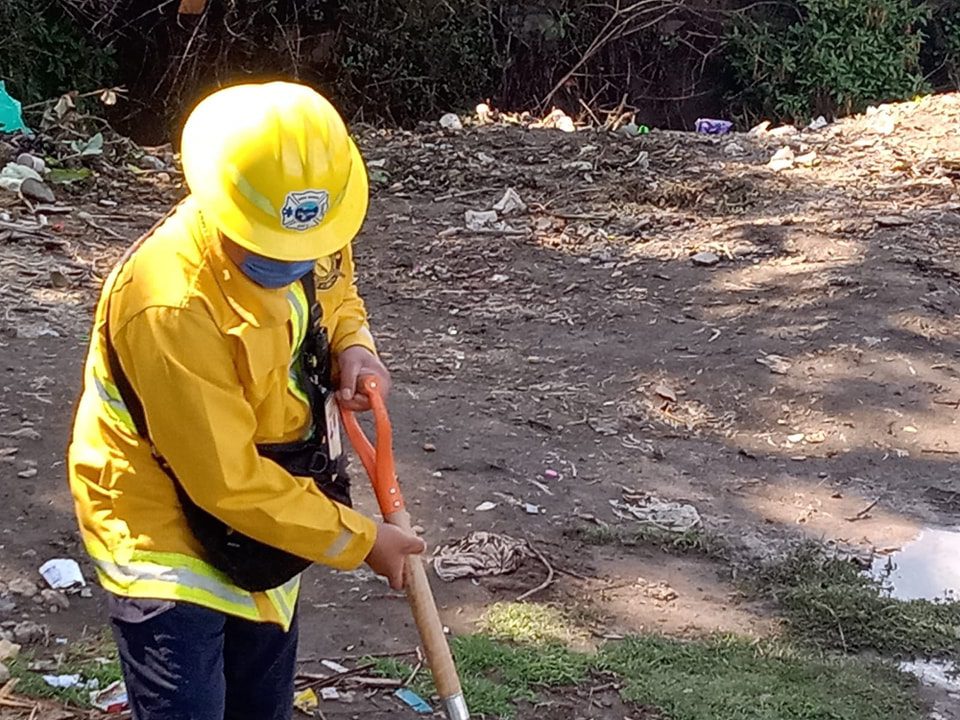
{"x": 251, "y": 564}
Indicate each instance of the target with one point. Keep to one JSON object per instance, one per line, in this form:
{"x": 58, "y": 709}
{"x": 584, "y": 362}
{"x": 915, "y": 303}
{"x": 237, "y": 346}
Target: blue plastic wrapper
{"x": 414, "y": 701}
{"x": 11, "y": 114}
{"x": 708, "y": 126}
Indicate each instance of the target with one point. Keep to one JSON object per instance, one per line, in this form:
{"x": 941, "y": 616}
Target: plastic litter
{"x": 62, "y": 573}
{"x": 329, "y": 693}
{"x": 413, "y": 701}
{"x": 511, "y": 202}
{"x": 62, "y": 682}
{"x": 651, "y": 510}
{"x": 631, "y": 129}
{"x": 112, "y": 699}
{"x": 334, "y": 666}
{"x": 450, "y": 121}
{"x": 13, "y": 175}
{"x": 306, "y": 701}
{"x": 709, "y": 126}
{"x": 481, "y": 219}
{"x": 11, "y": 113}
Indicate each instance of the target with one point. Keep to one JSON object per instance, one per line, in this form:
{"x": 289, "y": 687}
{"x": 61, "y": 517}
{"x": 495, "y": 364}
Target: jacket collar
{"x": 256, "y": 305}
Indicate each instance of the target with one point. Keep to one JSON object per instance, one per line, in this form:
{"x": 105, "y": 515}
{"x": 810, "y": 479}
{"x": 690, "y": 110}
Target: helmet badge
{"x": 305, "y": 209}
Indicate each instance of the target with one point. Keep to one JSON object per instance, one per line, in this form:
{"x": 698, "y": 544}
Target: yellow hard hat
{"x": 274, "y": 168}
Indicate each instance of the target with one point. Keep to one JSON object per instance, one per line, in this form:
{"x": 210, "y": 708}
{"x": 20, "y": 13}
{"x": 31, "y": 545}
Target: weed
{"x": 697, "y": 541}
{"x": 736, "y": 679}
{"x": 828, "y": 602}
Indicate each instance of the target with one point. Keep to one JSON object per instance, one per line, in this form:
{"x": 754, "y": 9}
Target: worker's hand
{"x": 354, "y": 362}
{"x": 390, "y": 550}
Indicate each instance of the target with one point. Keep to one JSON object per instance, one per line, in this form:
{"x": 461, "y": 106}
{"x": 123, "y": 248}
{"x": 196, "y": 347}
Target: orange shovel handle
{"x": 377, "y": 461}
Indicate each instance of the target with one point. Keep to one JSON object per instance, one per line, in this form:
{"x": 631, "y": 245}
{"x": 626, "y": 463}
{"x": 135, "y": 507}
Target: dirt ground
{"x": 781, "y": 385}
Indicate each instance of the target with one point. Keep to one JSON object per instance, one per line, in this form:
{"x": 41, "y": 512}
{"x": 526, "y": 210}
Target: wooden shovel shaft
{"x": 425, "y": 614}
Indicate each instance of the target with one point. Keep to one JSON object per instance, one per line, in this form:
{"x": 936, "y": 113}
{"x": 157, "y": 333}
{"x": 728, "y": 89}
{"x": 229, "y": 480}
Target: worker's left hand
{"x": 354, "y": 362}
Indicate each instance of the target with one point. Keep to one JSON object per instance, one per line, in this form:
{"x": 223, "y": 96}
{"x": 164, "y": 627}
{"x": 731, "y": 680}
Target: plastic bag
{"x": 11, "y": 114}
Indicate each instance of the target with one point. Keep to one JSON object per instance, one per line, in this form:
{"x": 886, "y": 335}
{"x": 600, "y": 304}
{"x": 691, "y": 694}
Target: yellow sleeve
{"x": 348, "y": 321}
{"x": 199, "y": 420}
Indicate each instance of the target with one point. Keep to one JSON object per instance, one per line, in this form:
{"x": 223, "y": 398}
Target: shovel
{"x": 379, "y": 464}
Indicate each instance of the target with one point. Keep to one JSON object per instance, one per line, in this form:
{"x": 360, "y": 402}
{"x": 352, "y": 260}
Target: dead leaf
{"x": 777, "y": 364}
{"x": 666, "y": 392}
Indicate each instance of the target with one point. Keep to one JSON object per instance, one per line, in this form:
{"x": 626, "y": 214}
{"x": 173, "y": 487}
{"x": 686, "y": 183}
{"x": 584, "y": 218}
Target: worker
{"x": 205, "y": 464}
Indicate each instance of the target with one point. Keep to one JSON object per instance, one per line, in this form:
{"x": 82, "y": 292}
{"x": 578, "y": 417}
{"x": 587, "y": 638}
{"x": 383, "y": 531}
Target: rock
{"x": 705, "y": 259}
{"x": 54, "y": 599}
{"x": 808, "y": 159}
{"x": 450, "y": 121}
{"x": 8, "y": 650}
{"x": 783, "y": 131}
{"x": 28, "y": 632}
{"x": 783, "y": 159}
{"x": 26, "y": 588}
{"x": 892, "y": 221}
{"x": 734, "y": 150}
{"x": 31, "y": 161}
{"x": 37, "y": 191}
{"x": 4, "y": 674}
{"x": 149, "y": 162}
{"x": 7, "y": 606}
{"x": 429, "y": 447}
{"x": 777, "y": 364}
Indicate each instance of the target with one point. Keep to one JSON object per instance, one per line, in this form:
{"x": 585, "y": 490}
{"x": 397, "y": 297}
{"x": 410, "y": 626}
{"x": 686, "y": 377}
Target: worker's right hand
{"x": 390, "y": 550}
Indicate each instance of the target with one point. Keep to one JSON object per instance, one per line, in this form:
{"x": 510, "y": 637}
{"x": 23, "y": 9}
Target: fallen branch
{"x": 863, "y": 514}
{"x": 546, "y": 583}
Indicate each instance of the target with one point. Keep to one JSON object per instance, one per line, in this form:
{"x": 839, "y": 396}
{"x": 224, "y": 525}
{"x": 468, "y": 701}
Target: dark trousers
{"x": 185, "y": 662}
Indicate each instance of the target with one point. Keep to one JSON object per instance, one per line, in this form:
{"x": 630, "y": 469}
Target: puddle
{"x": 927, "y": 568}
{"x": 941, "y": 674}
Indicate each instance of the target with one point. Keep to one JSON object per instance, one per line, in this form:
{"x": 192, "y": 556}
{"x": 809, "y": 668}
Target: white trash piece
{"x": 62, "y": 573}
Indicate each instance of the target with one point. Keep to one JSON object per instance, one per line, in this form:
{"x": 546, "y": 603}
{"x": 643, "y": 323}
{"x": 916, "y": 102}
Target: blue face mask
{"x": 274, "y": 274}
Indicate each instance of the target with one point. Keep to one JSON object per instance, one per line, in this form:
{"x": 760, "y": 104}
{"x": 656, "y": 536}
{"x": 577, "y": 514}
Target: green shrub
{"x": 45, "y": 52}
{"x": 827, "y": 56}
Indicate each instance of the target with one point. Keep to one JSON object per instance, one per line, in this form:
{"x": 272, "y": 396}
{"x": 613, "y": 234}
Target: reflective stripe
{"x": 339, "y": 545}
{"x": 299, "y": 317}
{"x": 113, "y": 402}
{"x": 299, "y": 313}
{"x": 284, "y": 598}
{"x": 172, "y": 576}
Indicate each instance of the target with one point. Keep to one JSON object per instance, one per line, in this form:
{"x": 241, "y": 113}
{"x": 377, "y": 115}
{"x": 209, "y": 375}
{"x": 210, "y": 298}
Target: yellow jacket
{"x": 209, "y": 353}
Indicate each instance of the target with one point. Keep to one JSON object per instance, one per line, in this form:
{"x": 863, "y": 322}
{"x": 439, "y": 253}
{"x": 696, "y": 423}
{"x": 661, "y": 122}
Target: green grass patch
{"x": 697, "y": 541}
{"x": 497, "y": 675}
{"x": 736, "y": 679}
{"x": 31, "y": 683}
{"x": 728, "y": 678}
{"x": 530, "y": 623}
{"x": 829, "y": 602}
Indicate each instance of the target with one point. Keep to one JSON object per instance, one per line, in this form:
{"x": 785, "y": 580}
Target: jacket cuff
{"x": 351, "y": 547}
